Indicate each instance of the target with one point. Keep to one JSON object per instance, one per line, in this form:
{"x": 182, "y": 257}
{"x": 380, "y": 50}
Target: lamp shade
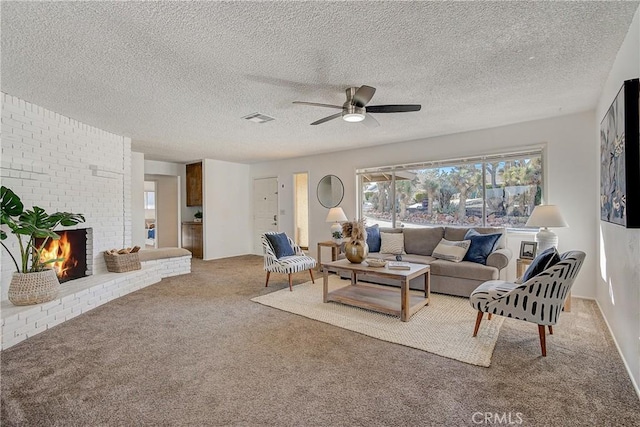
{"x": 336, "y": 215}
{"x": 546, "y": 216}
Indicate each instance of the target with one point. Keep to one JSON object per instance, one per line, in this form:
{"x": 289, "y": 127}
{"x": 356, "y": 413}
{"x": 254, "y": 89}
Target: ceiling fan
{"x": 355, "y": 109}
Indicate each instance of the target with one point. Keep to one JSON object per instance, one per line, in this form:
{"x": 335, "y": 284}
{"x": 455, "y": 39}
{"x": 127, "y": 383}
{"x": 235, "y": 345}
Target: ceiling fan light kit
{"x": 351, "y": 113}
{"x": 354, "y": 109}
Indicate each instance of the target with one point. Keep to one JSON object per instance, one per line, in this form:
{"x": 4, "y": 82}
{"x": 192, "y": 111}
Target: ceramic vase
{"x": 356, "y": 251}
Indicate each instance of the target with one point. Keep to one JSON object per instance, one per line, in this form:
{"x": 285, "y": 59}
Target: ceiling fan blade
{"x": 326, "y": 119}
{"x": 363, "y": 95}
{"x": 315, "y": 104}
{"x": 370, "y": 122}
{"x": 393, "y": 108}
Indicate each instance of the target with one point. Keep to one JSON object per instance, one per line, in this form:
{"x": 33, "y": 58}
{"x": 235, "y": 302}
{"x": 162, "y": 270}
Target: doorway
{"x": 167, "y": 210}
{"x": 150, "y": 214}
{"x": 265, "y": 209}
{"x": 301, "y": 208}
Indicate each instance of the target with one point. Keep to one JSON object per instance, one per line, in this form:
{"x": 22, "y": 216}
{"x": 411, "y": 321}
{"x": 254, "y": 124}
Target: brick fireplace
{"x": 74, "y": 249}
{"x": 60, "y": 164}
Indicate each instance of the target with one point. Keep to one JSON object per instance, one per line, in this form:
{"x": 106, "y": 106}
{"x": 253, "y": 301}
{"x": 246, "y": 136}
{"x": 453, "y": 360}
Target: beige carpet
{"x": 444, "y": 327}
{"x": 194, "y": 350}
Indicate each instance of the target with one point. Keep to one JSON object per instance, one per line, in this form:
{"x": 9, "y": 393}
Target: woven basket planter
{"x": 122, "y": 263}
{"x": 33, "y": 288}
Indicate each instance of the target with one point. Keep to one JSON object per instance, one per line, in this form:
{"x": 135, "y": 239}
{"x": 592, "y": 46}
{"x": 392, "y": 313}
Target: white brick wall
{"x": 60, "y": 164}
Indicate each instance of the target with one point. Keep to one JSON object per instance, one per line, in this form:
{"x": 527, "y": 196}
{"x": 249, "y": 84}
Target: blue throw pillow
{"x": 481, "y": 246}
{"x": 280, "y": 244}
{"x": 546, "y": 259}
{"x": 373, "y": 238}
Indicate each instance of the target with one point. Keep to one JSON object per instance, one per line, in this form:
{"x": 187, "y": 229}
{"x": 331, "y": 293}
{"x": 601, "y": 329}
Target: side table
{"x": 521, "y": 267}
{"x": 335, "y": 251}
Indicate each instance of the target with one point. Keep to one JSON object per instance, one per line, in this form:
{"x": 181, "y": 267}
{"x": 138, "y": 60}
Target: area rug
{"x": 444, "y": 327}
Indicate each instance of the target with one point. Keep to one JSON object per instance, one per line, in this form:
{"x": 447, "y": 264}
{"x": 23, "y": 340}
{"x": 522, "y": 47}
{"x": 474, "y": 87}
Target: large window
{"x": 497, "y": 190}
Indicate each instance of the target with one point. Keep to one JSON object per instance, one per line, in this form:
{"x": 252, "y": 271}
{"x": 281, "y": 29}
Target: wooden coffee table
{"x": 384, "y": 299}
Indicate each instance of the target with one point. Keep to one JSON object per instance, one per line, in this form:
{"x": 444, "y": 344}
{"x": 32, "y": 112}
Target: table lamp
{"x": 336, "y": 215}
{"x": 546, "y": 216}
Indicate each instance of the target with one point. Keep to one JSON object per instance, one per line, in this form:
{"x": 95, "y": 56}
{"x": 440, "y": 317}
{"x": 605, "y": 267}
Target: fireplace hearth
{"x": 73, "y": 248}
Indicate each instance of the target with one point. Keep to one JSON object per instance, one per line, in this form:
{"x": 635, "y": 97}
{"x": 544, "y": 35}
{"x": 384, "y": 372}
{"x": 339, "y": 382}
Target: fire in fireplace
{"x": 71, "y": 248}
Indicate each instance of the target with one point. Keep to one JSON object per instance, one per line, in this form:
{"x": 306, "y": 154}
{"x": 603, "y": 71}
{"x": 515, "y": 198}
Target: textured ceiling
{"x": 177, "y": 77}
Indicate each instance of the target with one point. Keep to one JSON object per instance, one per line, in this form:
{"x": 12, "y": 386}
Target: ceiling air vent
{"x": 258, "y": 118}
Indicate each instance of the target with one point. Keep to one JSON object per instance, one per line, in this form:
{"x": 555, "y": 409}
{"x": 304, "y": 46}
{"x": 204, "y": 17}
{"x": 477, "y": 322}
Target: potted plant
{"x": 33, "y": 282}
{"x": 198, "y": 216}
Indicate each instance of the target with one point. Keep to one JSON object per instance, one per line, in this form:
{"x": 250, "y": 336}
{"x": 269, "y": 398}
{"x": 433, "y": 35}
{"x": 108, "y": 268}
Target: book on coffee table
{"x": 398, "y": 265}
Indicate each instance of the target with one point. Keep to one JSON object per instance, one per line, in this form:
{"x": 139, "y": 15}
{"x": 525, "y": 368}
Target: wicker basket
{"x": 33, "y": 288}
{"x": 122, "y": 263}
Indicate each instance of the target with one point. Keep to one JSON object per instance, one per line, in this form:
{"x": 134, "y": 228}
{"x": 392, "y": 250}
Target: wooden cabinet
{"x": 192, "y": 238}
{"x": 194, "y": 184}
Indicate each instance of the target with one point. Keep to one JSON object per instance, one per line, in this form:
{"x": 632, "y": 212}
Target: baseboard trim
{"x": 581, "y": 297}
{"x": 626, "y": 365}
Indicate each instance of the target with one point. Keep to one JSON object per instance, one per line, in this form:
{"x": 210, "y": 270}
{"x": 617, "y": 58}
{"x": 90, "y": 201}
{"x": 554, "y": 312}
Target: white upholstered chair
{"x": 287, "y": 264}
{"x": 538, "y": 300}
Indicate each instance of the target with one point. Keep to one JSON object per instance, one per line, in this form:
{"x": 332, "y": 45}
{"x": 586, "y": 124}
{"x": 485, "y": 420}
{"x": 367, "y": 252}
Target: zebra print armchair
{"x": 538, "y": 300}
{"x": 287, "y": 264}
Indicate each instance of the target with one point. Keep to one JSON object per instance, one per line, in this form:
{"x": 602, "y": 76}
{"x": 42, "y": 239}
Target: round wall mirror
{"x": 330, "y": 191}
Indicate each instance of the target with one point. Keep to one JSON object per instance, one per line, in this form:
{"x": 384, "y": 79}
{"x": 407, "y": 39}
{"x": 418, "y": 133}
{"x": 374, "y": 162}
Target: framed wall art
{"x": 620, "y": 159}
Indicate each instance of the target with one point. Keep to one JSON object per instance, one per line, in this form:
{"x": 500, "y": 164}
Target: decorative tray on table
{"x": 374, "y": 262}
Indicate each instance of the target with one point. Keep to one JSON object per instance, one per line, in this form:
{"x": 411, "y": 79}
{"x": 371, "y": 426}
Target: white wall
{"x": 154, "y": 167}
{"x": 618, "y": 275}
{"x": 60, "y": 164}
{"x": 569, "y": 171}
{"x": 227, "y": 215}
{"x": 137, "y": 200}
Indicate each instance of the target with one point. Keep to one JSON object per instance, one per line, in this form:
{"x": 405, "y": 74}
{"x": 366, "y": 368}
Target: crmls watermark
{"x": 494, "y": 418}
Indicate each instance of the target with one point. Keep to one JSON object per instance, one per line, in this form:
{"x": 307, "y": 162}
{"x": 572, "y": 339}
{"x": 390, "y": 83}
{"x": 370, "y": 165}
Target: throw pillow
{"x": 392, "y": 243}
{"x": 481, "y": 246}
{"x": 451, "y": 251}
{"x": 546, "y": 259}
{"x": 373, "y": 238}
{"x": 280, "y": 244}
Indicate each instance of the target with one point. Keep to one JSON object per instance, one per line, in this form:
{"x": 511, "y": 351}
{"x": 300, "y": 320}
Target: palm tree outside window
{"x": 500, "y": 190}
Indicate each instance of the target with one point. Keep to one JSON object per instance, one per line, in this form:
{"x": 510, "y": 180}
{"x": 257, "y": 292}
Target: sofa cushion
{"x": 392, "y": 243}
{"x": 373, "y": 238}
{"x": 390, "y": 230}
{"x": 481, "y": 246}
{"x": 464, "y": 270}
{"x": 451, "y": 251}
{"x": 161, "y": 253}
{"x": 422, "y": 241}
{"x": 280, "y": 244}
{"x": 458, "y": 233}
{"x": 546, "y": 259}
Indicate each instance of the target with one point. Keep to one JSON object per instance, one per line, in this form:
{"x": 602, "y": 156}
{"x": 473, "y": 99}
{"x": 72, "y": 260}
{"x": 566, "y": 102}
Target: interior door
{"x": 265, "y": 209}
